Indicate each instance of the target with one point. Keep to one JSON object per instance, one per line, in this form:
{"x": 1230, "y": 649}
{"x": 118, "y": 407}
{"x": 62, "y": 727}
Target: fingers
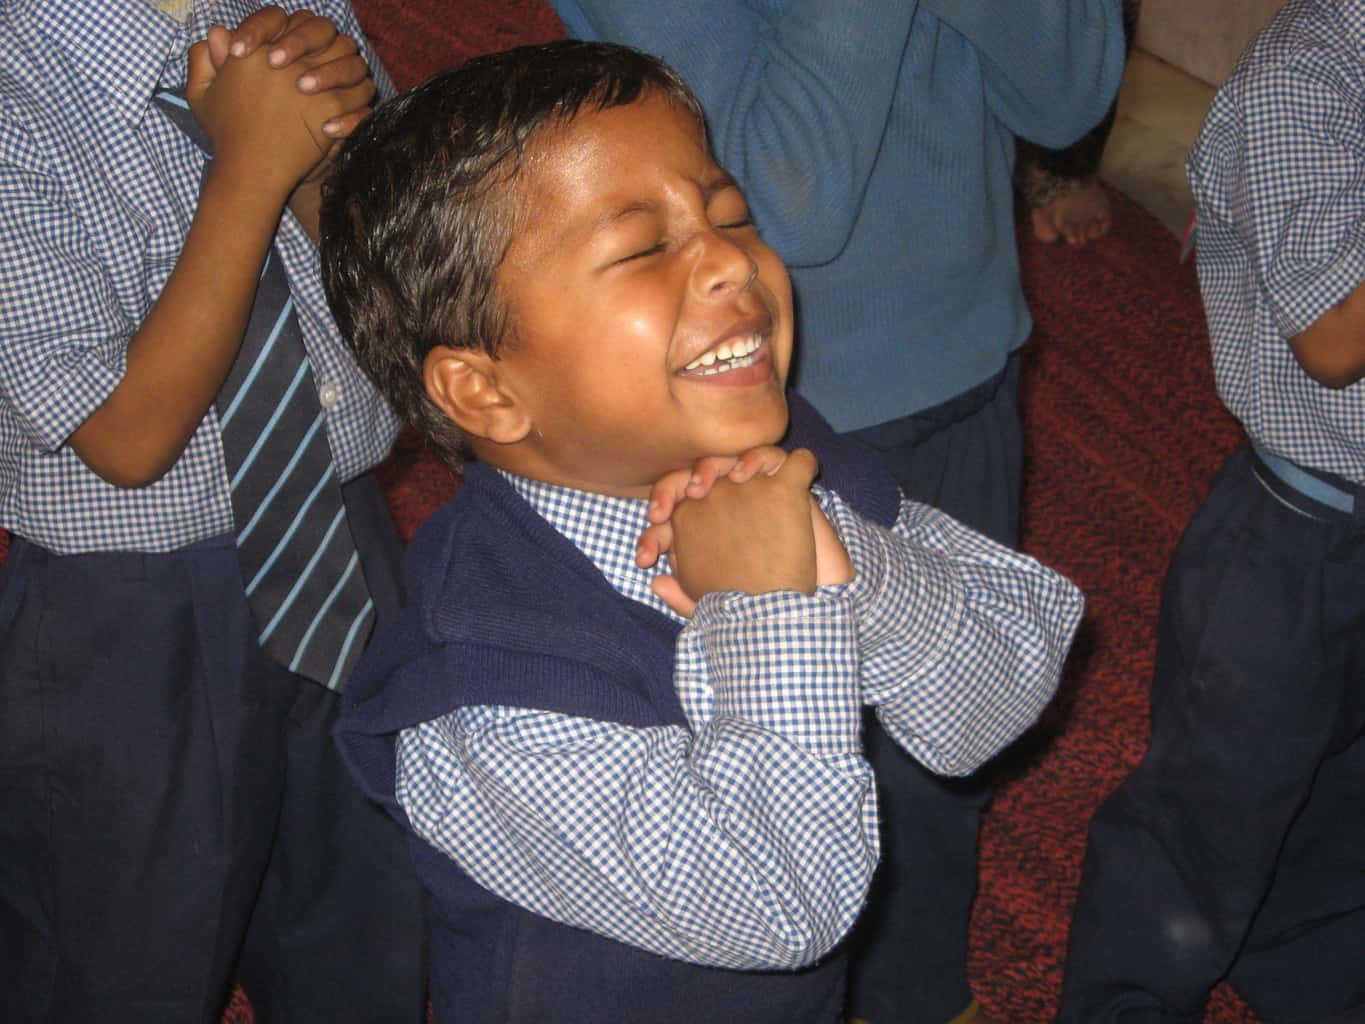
{"x": 706, "y": 472}
{"x": 290, "y": 37}
{"x": 343, "y": 76}
{"x": 655, "y": 542}
{"x": 341, "y": 127}
{"x": 799, "y": 469}
{"x": 344, "y": 72}
{"x": 670, "y": 591}
{"x": 344, "y": 103}
{"x": 219, "y": 41}
{"x": 766, "y": 460}
{"x": 200, "y": 72}
{"x": 697, "y": 482}
{"x": 308, "y": 35}
{"x": 666, "y": 493}
{"x": 257, "y": 29}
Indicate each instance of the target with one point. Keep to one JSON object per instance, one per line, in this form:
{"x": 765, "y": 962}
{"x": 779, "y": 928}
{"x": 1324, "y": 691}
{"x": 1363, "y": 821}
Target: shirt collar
{"x": 604, "y": 528}
{"x": 125, "y": 48}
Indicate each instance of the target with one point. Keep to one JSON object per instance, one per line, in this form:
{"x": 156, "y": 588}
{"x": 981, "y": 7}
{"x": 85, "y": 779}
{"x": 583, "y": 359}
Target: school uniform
{"x": 875, "y": 144}
{"x": 619, "y": 812}
{"x": 1236, "y": 849}
{"x": 171, "y": 807}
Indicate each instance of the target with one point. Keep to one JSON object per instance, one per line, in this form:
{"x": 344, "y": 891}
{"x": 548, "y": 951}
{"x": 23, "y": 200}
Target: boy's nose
{"x": 722, "y": 266}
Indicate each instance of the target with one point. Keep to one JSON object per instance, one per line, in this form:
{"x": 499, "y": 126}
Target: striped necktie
{"x": 304, "y": 583}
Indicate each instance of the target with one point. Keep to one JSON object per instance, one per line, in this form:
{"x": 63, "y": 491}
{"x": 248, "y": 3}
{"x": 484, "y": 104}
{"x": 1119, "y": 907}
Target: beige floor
{"x": 1160, "y": 111}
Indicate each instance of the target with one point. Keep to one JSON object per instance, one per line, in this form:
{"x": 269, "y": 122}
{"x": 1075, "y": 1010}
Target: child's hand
{"x": 832, "y": 565}
{"x": 697, "y": 482}
{"x": 262, "y": 128}
{"x": 324, "y": 58}
{"x": 290, "y": 36}
{"x": 754, "y": 536}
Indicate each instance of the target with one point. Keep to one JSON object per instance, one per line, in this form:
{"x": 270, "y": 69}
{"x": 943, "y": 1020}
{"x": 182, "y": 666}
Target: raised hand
{"x": 746, "y": 523}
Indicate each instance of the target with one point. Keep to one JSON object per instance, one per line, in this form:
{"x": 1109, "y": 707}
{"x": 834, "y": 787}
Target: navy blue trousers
{"x": 173, "y": 811}
{"x": 909, "y": 949}
{"x": 1236, "y": 849}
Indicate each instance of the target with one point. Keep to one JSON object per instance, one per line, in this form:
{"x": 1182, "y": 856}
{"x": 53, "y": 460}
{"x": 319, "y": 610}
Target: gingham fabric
{"x": 747, "y": 840}
{"x": 97, "y": 190}
{"x": 1279, "y": 183}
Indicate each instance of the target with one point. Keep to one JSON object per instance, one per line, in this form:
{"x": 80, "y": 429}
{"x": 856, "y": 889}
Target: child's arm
{"x": 266, "y": 137}
{"x": 1050, "y": 70}
{"x": 1276, "y": 175}
{"x": 1332, "y": 350}
{"x": 963, "y": 640}
{"x": 746, "y": 841}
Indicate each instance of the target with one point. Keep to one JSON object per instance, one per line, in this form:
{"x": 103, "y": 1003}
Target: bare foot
{"x": 1078, "y": 217}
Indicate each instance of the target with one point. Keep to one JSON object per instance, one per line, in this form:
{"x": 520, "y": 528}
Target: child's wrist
{"x": 250, "y": 187}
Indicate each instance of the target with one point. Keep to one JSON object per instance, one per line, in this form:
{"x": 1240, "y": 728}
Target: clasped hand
{"x": 746, "y": 523}
{"x": 278, "y": 93}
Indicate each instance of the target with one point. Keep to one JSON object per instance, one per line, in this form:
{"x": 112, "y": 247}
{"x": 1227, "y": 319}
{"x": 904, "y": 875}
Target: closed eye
{"x": 652, "y": 250}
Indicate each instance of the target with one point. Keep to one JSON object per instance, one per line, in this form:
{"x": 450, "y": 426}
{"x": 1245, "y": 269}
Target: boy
{"x": 875, "y": 141}
{"x": 171, "y": 807}
{"x": 1236, "y": 849}
{"x": 536, "y": 255}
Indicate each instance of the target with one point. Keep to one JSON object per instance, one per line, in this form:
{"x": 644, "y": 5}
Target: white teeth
{"x": 734, "y": 364}
{"x": 729, "y": 354}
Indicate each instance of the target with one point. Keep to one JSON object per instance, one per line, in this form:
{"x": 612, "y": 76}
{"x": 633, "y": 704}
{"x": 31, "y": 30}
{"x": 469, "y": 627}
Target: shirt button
{"x": 329, "y": 394}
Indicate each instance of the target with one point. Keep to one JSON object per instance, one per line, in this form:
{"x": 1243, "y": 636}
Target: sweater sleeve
{"x": 1050, "y": 70}
{"x": 796, "y": 105}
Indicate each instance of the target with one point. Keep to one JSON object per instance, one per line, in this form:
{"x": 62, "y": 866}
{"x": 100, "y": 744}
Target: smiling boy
{"x": 621, "y": 716}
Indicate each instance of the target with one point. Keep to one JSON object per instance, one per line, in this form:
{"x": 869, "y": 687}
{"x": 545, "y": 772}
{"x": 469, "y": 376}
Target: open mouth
{"x": 731, "y": 354}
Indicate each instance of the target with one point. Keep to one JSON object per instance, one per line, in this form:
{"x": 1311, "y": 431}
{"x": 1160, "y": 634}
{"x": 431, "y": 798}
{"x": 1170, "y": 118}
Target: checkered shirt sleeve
{"x": 744, "y": 841}
{"x": 1278, "y": 177}
{"x": 962, "y": 640}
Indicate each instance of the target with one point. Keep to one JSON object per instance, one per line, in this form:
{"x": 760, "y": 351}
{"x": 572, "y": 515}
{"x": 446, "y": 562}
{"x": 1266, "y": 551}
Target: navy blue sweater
{"x": 503, "y": 610}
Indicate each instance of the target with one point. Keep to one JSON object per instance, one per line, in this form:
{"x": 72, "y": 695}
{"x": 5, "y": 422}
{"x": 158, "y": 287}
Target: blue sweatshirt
{"x": 875, "y": 142}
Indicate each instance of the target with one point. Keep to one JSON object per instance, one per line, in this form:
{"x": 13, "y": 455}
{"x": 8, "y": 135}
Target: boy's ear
{"x": 464, "y": 384}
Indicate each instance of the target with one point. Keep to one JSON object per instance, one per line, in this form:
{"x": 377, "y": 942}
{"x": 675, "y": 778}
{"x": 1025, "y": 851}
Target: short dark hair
{"x": 417, "y": 213}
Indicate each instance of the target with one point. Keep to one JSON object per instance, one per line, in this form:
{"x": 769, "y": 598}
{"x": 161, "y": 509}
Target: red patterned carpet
{"x": 1123, "y": 434}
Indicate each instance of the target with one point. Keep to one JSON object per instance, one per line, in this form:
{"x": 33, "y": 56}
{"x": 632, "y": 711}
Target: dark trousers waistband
{"x": 1310, "y": 491}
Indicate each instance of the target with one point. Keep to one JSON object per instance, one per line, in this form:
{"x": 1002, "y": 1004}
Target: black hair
{"x": 418, "y": 214}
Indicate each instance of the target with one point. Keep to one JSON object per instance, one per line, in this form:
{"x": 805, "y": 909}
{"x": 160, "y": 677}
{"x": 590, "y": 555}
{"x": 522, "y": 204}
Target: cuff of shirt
{"x": 52, "y": 415}
{"x": 1298, "y": 307}
{"x": 903, "y": 595}
{"x": 785, "y": 661}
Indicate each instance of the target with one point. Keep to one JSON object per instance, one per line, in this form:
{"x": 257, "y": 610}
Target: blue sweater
{"x": 875, "y": 142}
{"x": 504, "y": 610}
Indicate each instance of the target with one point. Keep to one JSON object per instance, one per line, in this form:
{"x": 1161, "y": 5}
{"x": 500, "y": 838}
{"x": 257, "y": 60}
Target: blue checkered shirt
{"x": 97, "y": 190}
{"x": 746, "y": 840}
{"x": 1278, "y": 175}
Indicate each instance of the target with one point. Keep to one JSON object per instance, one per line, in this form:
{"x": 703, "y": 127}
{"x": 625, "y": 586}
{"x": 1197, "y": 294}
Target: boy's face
{"x": 650, "y": 325}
